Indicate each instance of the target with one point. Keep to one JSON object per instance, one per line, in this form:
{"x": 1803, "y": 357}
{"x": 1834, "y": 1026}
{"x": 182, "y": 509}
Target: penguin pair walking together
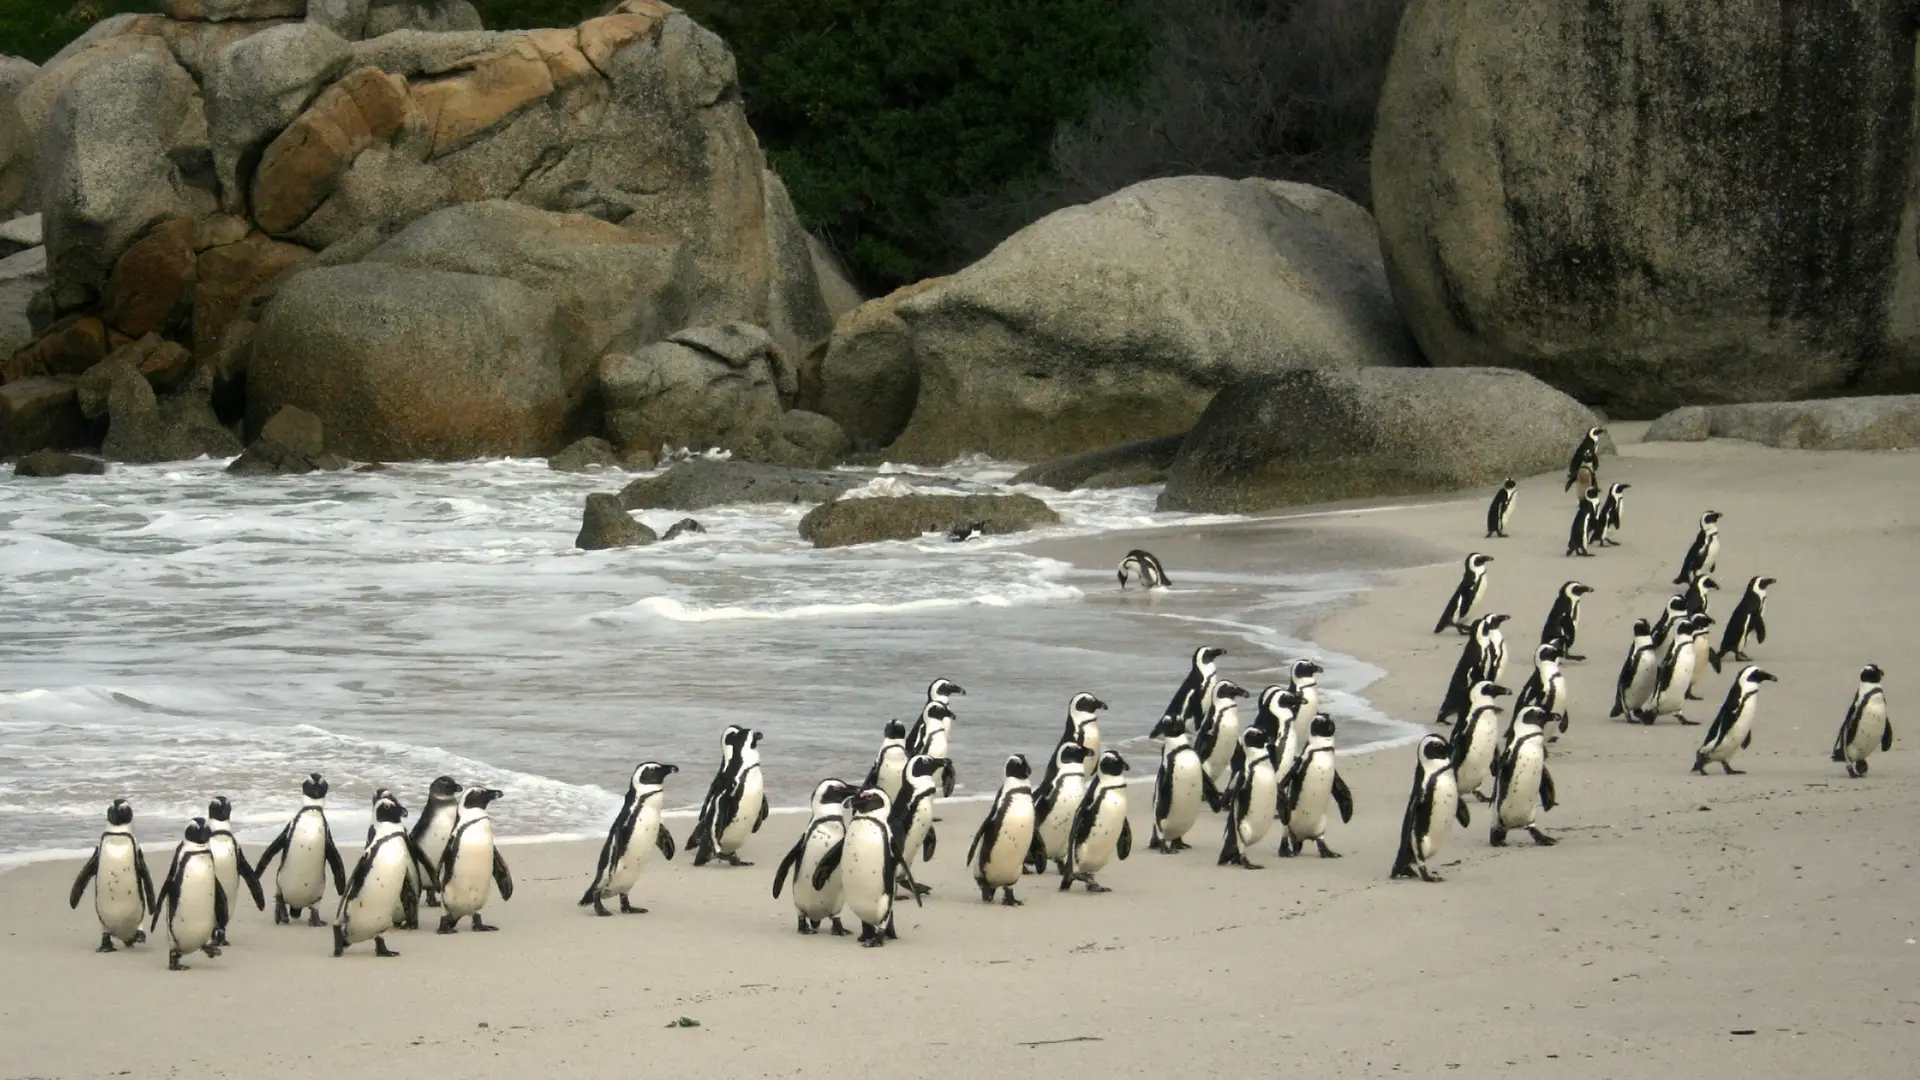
{"x": 846, "y": 860}
{"x": 1482, "y": 658}
{"x": 1080, "y": 819}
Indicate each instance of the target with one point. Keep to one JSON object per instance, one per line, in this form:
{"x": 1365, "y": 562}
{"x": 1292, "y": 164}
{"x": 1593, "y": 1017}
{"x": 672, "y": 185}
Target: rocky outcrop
{"x": 802, "y": 440}
{"x": 21, "y": 276}
{"x": 257, "y": 87}
{"x": 797, "y": 315}
{"x": 706, "y": 387}
{"x": 292, "y": 443}
{"x": 164, "y": 364}
{"x": 845, "y": 522}
{"x": 51, "y": 463}
{"x": 1119, "y": 319}
{"x": 698, "y": 483}
{"x": 1648, "y": 204}
{"x": 143, "y": 428}
{"x": 594, "y": 452}
{"x": 39, "y": 412}
{"x": 1299, "y": 437}
{"x": 18, "y": 189}
{"x": 606, "y": 524}
{"x": 1866, "y": 423}
{"x": 868, "y": 379}
{"x": 1144, "y": 461}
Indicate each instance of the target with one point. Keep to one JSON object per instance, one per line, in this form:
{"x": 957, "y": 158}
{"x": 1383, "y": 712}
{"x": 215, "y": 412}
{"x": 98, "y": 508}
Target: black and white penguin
{"x": 1674, "y": 677}
{"x": 1177, "y": 788}
{"x": 1493, "y": 650}
{"x": 1005, "y": 836}
{"x": 1702, "y": 652}
{"x": 1303, "y": 679}
{"x": 1279, "y": 716}
{"x": 635, "y": 835}
{"x": 1054, "y": 806}
{"x": 406, "y": 915}
{"x": 1748, "y": 621}
{"x": 1500, "y": 510}
{"x": 1522, "y": 786}
{"x": 1865, "y": 728}
{"x": 868, "y": 867}
{"x": 1186, "y": 701}
{"x": 431, "y": 831}
{"x": 1251, "y": 799}
{"x": 1432, "y": 808}
{"x": 1083, "y": 729}
{"x": 191, "y": 899}
{"x": 306, "y": 852}
{"x": 1547, "y": 687}
{"x": 929, "y": 739}
{"x": 381, "y": 882}
{"x": 1100, "y": 828}
{"x": 1143, "y": 565}
{"x": 972, "y": 530}
{"x": 1702, "y": 557}
{"x": 472, "y": 866}
{"x": 736, "y": 805}
{"x": 889, "y": 769}
{"x": 1480, "y": 656}
{"x": 1732, "y": 728}
{"x": 1585, "y": 456}
{"x": 1607, "y": 522}
{"x": 1563, "y": 619}
{"x": 911, "y": 823}
{"x": 1473, "y": 575}
{"x": 1695, "y": 596}
{"x": 1304, "y": 793}
{"x": 1476, "y": 740}
{"x": 1675, "y": 610}
{"x": 826, "y": 828}
{"x": 1586, "y": 515}
{"x": 944, "y": 690}
{"x": 1219, "y": 732}
{"x": 229, "y": 861}
{"x": 1638, "y": 674}
{"x": 122, "y": 889}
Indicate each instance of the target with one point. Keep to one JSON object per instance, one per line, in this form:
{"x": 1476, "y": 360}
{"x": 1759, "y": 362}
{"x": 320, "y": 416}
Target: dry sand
{"x": 1757, "y": 925}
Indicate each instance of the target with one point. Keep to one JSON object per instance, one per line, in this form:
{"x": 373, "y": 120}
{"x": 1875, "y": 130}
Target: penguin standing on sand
{"x": 472, "y": 866}
{"x": 1675, "y": 674}
{"x": 1186, "y": 700}
{"x": 911, "y": 820}
{"x": 1304, "y": 793}
{"x": 1476, "y": 741}
{"x": 824, "y": 832}
{"x": 1586, "y": 513}
{"x": 229, "y": 861}
{"x": 1732, "y": 728}
{"x": 736, "y": 803}
{"x": 381, "y": 883}
{"x": 432, "y": 830}
{"x": 191, "y": 899}
{"x": 1473, "y": 575}
{"x": 889, "y": 770}
{"x": 1056, "y": 804}
{"x": 1522, "y": 786}
{"x": 1143, "y": 565}
{"x": 1005, "y": 836}
{"x": 1251, "y": 799}
{"x": 1500, "y": 510}
{"x": 1280, "y": 710}
{"x": 1547, "y": 688}
{"x": 1866, "y": 727}
{"x": 635, "y": 835}
{"x": 867, "y": 866}
{"x": 1749, "y": 620}
{"x": 930, "y": 734}
{"x": 1432, "y": 808}
{"x": 1101, "y": 832}
{"x": 1479, "y": 661}
{"x": 1219, "y": 733}
{"x": 1638, "y": 674}
{"x": 1586, "y": 457}
{"x": 306, "y": 852}
{"x": 1607, "y": 522}
{"x": 122, "y": 888}
{"x": 1083, "y": 729}
{"x": 1704, "y": 555}
{"x": 1563, "y": 619}
{"x": 1177, "y": 788}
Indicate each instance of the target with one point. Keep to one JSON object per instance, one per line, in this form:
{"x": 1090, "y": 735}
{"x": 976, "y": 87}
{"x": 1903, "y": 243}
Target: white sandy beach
{"x": 1758, "y": 925}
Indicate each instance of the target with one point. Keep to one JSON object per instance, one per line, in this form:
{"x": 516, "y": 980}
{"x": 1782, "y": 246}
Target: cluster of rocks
{"x": 1870, "y": 423}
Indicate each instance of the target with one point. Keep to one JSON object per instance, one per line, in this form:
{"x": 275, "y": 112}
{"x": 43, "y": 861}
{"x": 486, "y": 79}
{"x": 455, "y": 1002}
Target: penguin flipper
{"x": 86, "y": 875}
{"x": 788, "y": 865}
{"x": 359, "y": 879}
{"x": 1548, "y": 800}
{"x": 604, "y": 863}
{"x": 219, "y": 904}
{"x": 663, "y": 840}
{"x": 251, "y": 877}
{"x": 169, "y": 890}
{"x": 760, "y": 818}
{"x": 335, "y": 864}
{"x": 1886, "y": 736}
{"x": 415, "y": 853}
{"x": 146, "y": 879}
{"x": 1760, "y": 627}
{"x": 502, "y": 879}
{"x": 829, "y": 862}
{"x": 1342, "y": 798}
{"x": 1209, "y": 792}
{"x": 1125, "y": 847}
{"x": 1461, "y": 814}
{"x": 275, "y": 849}
{"x": 449, "y": 857}
{"x": 926, "y": 846}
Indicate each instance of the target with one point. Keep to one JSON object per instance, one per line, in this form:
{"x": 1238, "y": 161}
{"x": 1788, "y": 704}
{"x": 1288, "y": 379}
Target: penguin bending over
{"x": 1586, "y": 515}
{"x": 191, "y": 899}
{"x": 432, "y": 830}
{"x": 1563, "y": 620}
{"x": 1304, "y": 793}
{"x": 1473, "y": 575}
{"x": 1177, "y": 788}
{"x": 1146, "y": 567}
{"x": 1865, "y": 727}
{"x": 1607, "y": 521}
{"x": 1732, "y": 728}
{"x": 1100, "y": 828}
{"x": 1705, "y": 552}
{"x": 1585, "y": 456}
{"x": 229, "y": 861}
{"x": 1055, "y": 806}
{"x": 911, "y": 818}
{"x": 1638, "y": 674}
{"x": 634, "y": 836}
{"x": 472, "y": 866}
{"x": 1476, "y": 741}
{"x": 381, "y": 883}
{"x": 1219, "y": 733}
{"x": 122, "y": 889}
{"x": 1522, "y": 786}
{"x": 1500, "y": 510}
{"x": 1432, "y": 808}
{"x": 736, "y": 805}
{"x": 1547, "y": 688}
{"x": 824, "y": 832}
{"x": 306, "y": 852}
{"x": 1251, "y": 799}
{"x": 1479, "y": 662}
{"x": 1005, "y": 836}
{"x": 1747, "y": 621}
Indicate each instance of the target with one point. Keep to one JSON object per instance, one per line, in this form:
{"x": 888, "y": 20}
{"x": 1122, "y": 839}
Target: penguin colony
{"x": 855, "y": 856}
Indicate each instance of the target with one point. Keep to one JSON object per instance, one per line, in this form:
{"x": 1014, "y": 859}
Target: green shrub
{"x": 36, "y": 29}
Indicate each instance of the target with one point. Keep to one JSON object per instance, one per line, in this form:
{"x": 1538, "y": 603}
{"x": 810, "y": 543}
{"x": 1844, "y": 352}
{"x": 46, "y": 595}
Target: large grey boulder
{"x": 845, "y": 522}
{"x": 698, "y": 483}
{"x": 143, "y": 428}
{"x": 1864, "y": 423}
{"x": 868, "y": 378}
{"x": 52, "y": 463}
{"x": 255, "y": 87}
{"x": 802, "y": 440}
{"x": 706, "y": 387}
{"x": 386, "y": 16}
{"x": 39, "y": 413}
{"x": 404, "y": 364}
{"x": 1298, "y": 437}
{"x": 17, "y": 150}
{"x": 606, "y": 524}
{"x": 1648, "y": 204}
{"x": 347, "y": 18}
{"x": 1143, "y": 461}
{"x": 292, "y": 443}
{"x": 22, "y": 276}
{"x": 797, "y": 315}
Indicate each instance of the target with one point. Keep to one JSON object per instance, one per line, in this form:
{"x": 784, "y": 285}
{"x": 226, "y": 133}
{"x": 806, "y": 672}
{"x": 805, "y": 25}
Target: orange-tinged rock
{"x": 561, "y": 50}
{"x": 69, "y": 347}
{"x": 228, "y": 276}
{"x": 302, "y": 166}
{"x": 460, "y": 107}
{"x": 601, "y": 38}
{"x": 152, "y": 281}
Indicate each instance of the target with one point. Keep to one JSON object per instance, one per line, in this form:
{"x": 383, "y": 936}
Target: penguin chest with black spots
{"x": 1308, "y": 821}
{"x": 863, "y": 865}
{"x": 1263, "y": 797}
{"x": 1444, "y": 800}
{"x": 117, "y": 898}
{"x": 1103, "y": 836}
{"x": 302, "y": 879}
{"x": 639, "y": 849}
{"x": 191, "y": 922}
{"x": 1058, "y": 826}
{"x": 823, "y": 902}
{"x": 1000, "y": 863}
{"x": 1183, "y": 794}
{"x": 370, "y": 910}
{"x": 470, "y": 883}
{"x": 1869, "y": 728}
{"x": 1520, "y": 801}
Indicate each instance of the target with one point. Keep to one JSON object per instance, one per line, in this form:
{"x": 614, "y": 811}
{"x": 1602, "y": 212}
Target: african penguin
{"x": 1866, "y": 727}
{"x": 1476, "y": 740}
{"x": 1585, "y": 456}
{"x": 944, "y": 691}
{"x": 1280, "y": 710}
{"x": 1638, "y": 674}
{"x": 306, "y": 852}
{"x": 929, "y": 739}
{"x": 826, "y": 828}
{"x": 380, "y": 882}
{"x": 1055, "y": 805}
{"x": 1304, "y": 793}
{"x": 735, "y": 806}
{"x": 1732, "y": 728}
{"x": 1547, "y": 688}
{"x": 1005, "y": 836}
{"x": 1432, "y": 808}
{"x": 1500, "y": 510}
{"x": 229, "y": 861}
{"x": 911, "y": 820}
{"x": 1219, "y": 731}
{"x": 1675, "y": 610}
{"x": 890, "y": 765}
{"x": 191, "y": 899}
{"x": 1473, "y": 575}
{"x": 472, "y": 866}
{"x": 1186, "y": 700}
{"x": 1705, "y": 552}
{"x": 1100, "y": 830}
{"x": 1748, "y": 621}
{"x": 868, "y": 867}
{"x": 122, "y": 889}
{"x": 1586, "y": 513}
{"x": 1563, "y": 619}
{"x": 972, "y": 530}
{"x": 1478, "y": 663}
{"x": 635, "y": 835}
{"x": 1083, "y": 729}
{"x": 1143, "y": 565}
{"x": 1177, "y": 788}
{"x": 1675, "y": 673}
{"x": 1607, "y": 522}
{"x": 1702, "y": 651}
{"x": 1522, "y": 786}
{"x": 1251, "y": 799}
{"x": 1302, "y": 680}
{"x": 433, "y": 829}
{"x": 1695, "y": 597}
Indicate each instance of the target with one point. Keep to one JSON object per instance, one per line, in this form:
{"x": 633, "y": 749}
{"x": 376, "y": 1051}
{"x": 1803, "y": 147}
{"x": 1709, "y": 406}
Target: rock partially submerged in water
{"x": 845, "y": 522}
{"x": 1862, "y": 423}
{"x": 1142, "y": 461}
{"x": 698, "y": 483}
{"x": 606, "y": 524}
{"x": 144, "y": 428}
{"x": 594, "y": 452}
{"x": 292, "y": 443}
{"x": 683, "y": 527}
{"x": 47, "y": 463}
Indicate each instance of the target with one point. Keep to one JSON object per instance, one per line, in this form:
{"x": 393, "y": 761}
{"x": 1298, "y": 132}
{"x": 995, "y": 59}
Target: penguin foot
{"x": 735, "y": 860}
{"x": 872, "y": 942}
{"x": 1180, "y": 845}
{"x": 173, "y": 961}
{"x": 1856, "y": 769}
{"x": 313, "y": 916}
{"x": 1094, "y": 886}
{"x": 1248, "y": 864}
{"x": 339, "y": 941}
{"x": 380, "y": 947}
{"x": 1541, "y": 838}
{"x": 1497, "y": 837}
{"x": 449, "y": 924}
{"x": 805, "y": 926}
{"x": 1287, "y": 850}
{"x": 986, "y": 893}
{"x": 480, "y": 927}
{"x": 1731, "y": 771}
{"x": 891, "y": 936}
{"x": 1007, "y": 898}
{"x": 280, "y": 917}
{"x": 600, "y": 908}
{"x": 106, "y": 944}
{"x": 1691, "y": 696}
{"x": 1684, "y": 720}
{"x": 1430, "y": 877}
{"x": 1402, "y": 871}
{"x": 1575, "y": 659}
{"x": 839, "y": 930}
{"x": 627, "y": 908}
{"x": 139, "y": 937}
{"x": 1740, "y": 656}
{"x": 1325, "y": 851}
{"x": 923, "y": 890}
{"x": 220, "y": 936}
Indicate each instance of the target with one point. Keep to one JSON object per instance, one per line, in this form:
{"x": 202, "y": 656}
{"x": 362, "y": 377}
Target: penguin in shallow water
{"x": 1563, "y": 619}
{"x": 1177, "y": 788}
{"x": 1186, "y": 702}
{"x": 1748, "y": 621}
{"x": 1476, "y": 740}
{"x": 911, "y": 823}
{"x": 1500, "y": 510}
{"x": 122, "y": 889}
{"x": 635, "y": 835}
{"x": 1083, "y": 729}
{"x": 1586, "y": 513}
{"x": 889, "y": 770}
{"x": 1143, "y": 565}
{"x": 1005, "y": 835}
{"x": 1304, "y": 793}
{"x": 229, "y": 861}
{"x": 1702, "y": 557}
{"x": 1473, "y": 575}
{"x": 1634, "y": 688}
{"x": 1547, "y": 688}
{"x": 1522, "y": 786}
{"x": 735, "y": 806}
{"x": 1432, "y": 808}
{"x": 868, "y": 867}
{"x": 1055, "y": 804}
{"x": 1607, "y": 522}
{"x": 1476, "y": 663}
{"x": 824, "y": 832}
{"x": 431, "y": 831}
{"x": 1251, "y": 799}
{"x": 1865, "y": 728}
{"x": 306, "y": 852}
{"x": 1732, "y": 727}
{"x": 1100, "y": 831}
{"x": 381, "y": 883}
{"x": 1219, "y": 733}
{"x": 1586, "y": 457}
{"x": 972, "y": 530}
{"x": 472, "y": 867}
{"x": 191, "y": 899}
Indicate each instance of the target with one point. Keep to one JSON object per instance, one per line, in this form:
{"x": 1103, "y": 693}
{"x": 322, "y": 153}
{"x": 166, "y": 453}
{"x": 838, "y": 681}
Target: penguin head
{"x": 1576, "y": 589}
{"x": 652, "y": 774}
{"x": 478, "y": 798}
{"x": 1254, "y": 738}
{"x": 1436, "y": 749}
{"x": 1071, "y": 753}
{"x": 1642, "y": 628}
{"x": 1084, "y": 707}
{"x": 389, "y": 810}
{"x": 1112, "y": 764}
{"x": 1228, "y": 690}
{"x": 219, "y": 809}
{"x": 830, "y": 793}
{"x": 1532, "y": 714}
{"x": 1487, "y": 689}
{"x": 1711, "y": 517}
{"x": 1593, "y": 494}
{"x": 871, "y": 802}
{"x": 1018, "y": 769}
{"x": 1760, "y": 585}
{"x": 1509, "y": 485}
{"x": 942, "y": 689}
{"x": 1305, "y": 668}
{"x": 314, "y": 787}
{"x": 753, "y": 740}
{"x": 1620, "y": 489}
{"x": 733, "y": 739}
{"x": 1322, "y": 726}
{"x": 1169, "y": 727}
{"x": 120, "y": 813}
{"x": 1477, "y": 561}
{"x": 895, "y": 731}
{"x": 1548, "y": 653}
{"x": 444, "y": 787}
{"x": 925, "y": 768}
{"x": 1705, "y": 583}
{"x": 197, "y": 831}
{"x": 1871, "y": 674}
{"x": 1753, "y": 676}
{"x": 1205, "y": 656}
{"x": 1275, "y": 698}
{"x": 1594, "y": 433}
{"x": 1494, "y": 621}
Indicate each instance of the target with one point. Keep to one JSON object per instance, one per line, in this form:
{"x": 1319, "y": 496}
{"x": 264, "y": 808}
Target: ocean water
{"x": 169, "y": 633}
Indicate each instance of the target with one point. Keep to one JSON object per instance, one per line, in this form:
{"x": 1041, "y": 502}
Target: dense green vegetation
{"x": 36, "y": 29}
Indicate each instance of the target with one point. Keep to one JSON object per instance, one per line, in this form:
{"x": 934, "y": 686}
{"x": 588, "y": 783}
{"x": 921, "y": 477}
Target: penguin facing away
{"x": 1748, "y": 621}
{"x": 1056, "y": 804}
{"x": 1432, "y": 808}
{"x": 123, "y": 891}
{"x": 229, "y": 860}
{"x": 825, "y": 831}
{"x": 191, "y": 900}
{"x": 1005, "y": 835}
{"x": 472, "y": 866}
{"x": 1732, "y": 728}
{"x": 635, "y": 834}
{"x": 1476, "y": 741}
{"x": 889, "y": 769}
{"x": 1586, "y": 513}
{"x": 1101, "y": 831}
{"x": 735, "y": 805}
{"x": 1177, "y": 788}
{"x": 1608, "y": 521}
{"x": 1473, "y": 574}
{"x": 1522, "y": 785}
{"x": 1586, "y": 456}
{"x": 1563, "y": 619}
{"x": 306, "y": 852}
{"x": 1702, "y": 557}
{"x": 1500, "y": 510}
{"x": 1304, "y": 793}
{"x": 1251, "y": 799}
{"x": 911, "y": 818}
{"x": 1866, "y": 727}
{"x": 1143, "y": 565}
{"x": 381, "y": 883}
{"x": 433, "y": 829}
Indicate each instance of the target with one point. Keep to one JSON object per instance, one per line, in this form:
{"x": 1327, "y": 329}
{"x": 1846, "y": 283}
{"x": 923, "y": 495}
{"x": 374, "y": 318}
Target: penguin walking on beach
{"x": 930, "y": 734}
{"x": 1143, "y": 565}
{"x": 911, "y": 823}
{"x": 1005, "y": 835}
{"x": 1702, "y": 652}
{"x": 1563, "y": 619}
{"x": 1674, "y": 675}
{"x": 1586, "y": 515}
{"x": 1547, "y": 688}
{"x": 229, "y": 861}
{"x": 1055, "y": 805}
{"x": 736, "y": 804}
{"x": 406, "y": 913}
{"x": 1251, "y": 799}
{"x": 1083, "y": 729}
{"x": 1177, "y": 788}
{"x": 191, "y": 899}
{"x": 889, "y": 771}
{"x": 1279, "y": 716}
{"x": 1473, "y": 575}
{"x": 1500, "y": 510}
{"x": 1732, "y": 727}
{"x": 1476, "y": 741}
{"x": 381, "y": 885}
{"x": 1522, "y": 786}
{"x": 1303, "y": 679}
{"x": 1432, "y": 808}
{"x": 1480, "y": 659}
{"x": 472, "y": 867}
{"x": 122, "y": 889}
{"x": 1186, "y": 703}
{"x": 1695, "y": 598}
{"x": 826, "y": 829}
{"x": 1748, "y": 622}
{"x": 868, "y": 867}
{"x": 306, "y": 852}
{"x": 431, "y": 831}
{"x": 1865, "y": 728}
{"x": 1100, "y": 832}
{"x": 1703, "y": 556}
{"x": 1638, "y": 674}
{"x": 1586, "y": 457}
{"x": 1304, "y": 793}
{"x": 1607, "y": 522}
{"x": 1219, "y": 733}
{"x": 1675, "y": 610}
{"x": 635, "y": 835}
